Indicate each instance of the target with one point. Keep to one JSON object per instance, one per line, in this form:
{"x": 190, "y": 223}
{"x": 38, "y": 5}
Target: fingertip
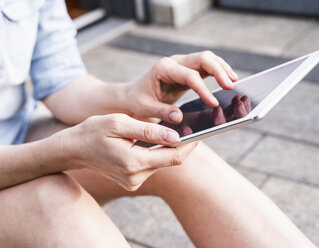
{"x": 234, "y": 80}
{"x": 230, "y": 86}
{"x": 226, "y": 82}
{"x": 175, "y": 116}
{"x": 233, "y": 76}
{"x": 170, "y": 136}
{"x": 213, "y": 101}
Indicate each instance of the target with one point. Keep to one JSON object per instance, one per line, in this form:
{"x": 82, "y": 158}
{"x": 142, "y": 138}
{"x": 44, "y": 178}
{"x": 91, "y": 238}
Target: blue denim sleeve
{"x": 56, "y": 60}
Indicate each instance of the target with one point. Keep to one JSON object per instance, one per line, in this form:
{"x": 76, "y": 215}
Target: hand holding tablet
{"x": 249, "y": 101}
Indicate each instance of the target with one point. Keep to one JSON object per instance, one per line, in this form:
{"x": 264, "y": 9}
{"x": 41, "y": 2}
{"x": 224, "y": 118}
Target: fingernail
{"x": 234, "y": 75}
{"x": 214, "y": 101}
{"x": 170, "y": 137}
{"x": 173, "y": 116}
{"x": 229, "y": 82}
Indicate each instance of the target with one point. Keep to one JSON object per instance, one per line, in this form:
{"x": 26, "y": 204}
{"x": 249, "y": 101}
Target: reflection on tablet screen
{"x": 233, "y": 104}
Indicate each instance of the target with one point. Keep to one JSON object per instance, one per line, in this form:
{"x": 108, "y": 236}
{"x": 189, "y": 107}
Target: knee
{"x": 54, "y": 192}
{"x": 58, "y": 212}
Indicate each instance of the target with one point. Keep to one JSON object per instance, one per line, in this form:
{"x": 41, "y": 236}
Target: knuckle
{"x": 163, "y": 62}
{"x": 175, "y": 57}
{"x": 220, "y": 59}
{"x": 177, "y": 159}
{"x": 193, "y": 76}
{"x": 90, "y": 123}
{"x": 114, "y": 121}
{"x": 91, "y": 120}
{"x": 148, "y": 132}
{"x": 196, "y": 74}
{"x": 161, "y": 114}
{"x": 130, "y": 169}
{"x": 118, "y": 117}
{"x": 220, "y": 74}
{"x": 206, "y": 54}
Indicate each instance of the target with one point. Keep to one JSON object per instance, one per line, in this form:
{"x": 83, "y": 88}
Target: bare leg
{"x": 216, "y": 206}
{"x": 54, "y": 211}
{"x": 219, "y": 208}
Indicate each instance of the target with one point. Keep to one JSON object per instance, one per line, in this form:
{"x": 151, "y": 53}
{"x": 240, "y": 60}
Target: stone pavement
{"x": 280, "y": 154}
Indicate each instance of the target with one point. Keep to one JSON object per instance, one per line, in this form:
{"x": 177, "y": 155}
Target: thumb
{"x": 129, "y": 128}
{"x": 165, "y": 112}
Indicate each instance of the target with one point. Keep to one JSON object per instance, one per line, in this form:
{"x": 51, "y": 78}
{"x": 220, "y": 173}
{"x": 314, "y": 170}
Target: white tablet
{"x": 250, "y": 100}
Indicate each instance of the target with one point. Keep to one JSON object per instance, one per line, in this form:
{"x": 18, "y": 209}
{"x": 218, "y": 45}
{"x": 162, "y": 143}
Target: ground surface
{"x": 280, "y": 154}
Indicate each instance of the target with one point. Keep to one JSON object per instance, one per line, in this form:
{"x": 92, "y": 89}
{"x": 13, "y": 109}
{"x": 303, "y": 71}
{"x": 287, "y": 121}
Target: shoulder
{"x": 19, "y": 21}
{"x": 17, "y": 10}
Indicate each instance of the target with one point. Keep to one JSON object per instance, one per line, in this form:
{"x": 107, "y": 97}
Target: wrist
{"x": 65, "y": 149}
{"x": 126, "y": 98}
{"x": 117, "y": 94}
{"x": 123, "y": 98}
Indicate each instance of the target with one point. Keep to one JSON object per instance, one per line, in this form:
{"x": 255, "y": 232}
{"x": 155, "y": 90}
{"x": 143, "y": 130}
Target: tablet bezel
{"x": 262, "y": 108}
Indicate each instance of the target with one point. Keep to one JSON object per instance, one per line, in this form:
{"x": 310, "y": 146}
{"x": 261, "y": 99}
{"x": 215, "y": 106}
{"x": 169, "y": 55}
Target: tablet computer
{"x": 250, "y": 100}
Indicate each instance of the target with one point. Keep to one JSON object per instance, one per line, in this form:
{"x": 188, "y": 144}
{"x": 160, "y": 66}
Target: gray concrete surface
{"x": 265, "y": 34}
{"x": 299, "y": 201}
{"x": 284, "y": 158}
{"x": 280, "y": 154}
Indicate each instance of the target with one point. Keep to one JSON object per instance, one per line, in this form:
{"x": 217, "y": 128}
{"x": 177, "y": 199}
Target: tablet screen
{"x": 233, "y": 104}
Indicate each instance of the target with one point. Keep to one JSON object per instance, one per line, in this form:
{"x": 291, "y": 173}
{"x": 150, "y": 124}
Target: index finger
{"x": 211, "y": 64}
{"x": 169, "y": 71}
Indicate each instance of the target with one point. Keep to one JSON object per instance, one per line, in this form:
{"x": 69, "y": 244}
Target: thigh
{"x": 54, "y": 211}
{"x": 166, "y": 183}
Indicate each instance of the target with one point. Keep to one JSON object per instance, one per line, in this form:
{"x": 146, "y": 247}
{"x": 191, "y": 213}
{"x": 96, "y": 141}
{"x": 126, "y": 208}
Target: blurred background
{"x": 121, "y": 39}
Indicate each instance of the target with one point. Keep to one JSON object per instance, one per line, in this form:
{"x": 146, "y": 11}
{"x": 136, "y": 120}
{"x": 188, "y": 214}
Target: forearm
{"x": 28, "y": 161}
{"x": 87, "y": 96}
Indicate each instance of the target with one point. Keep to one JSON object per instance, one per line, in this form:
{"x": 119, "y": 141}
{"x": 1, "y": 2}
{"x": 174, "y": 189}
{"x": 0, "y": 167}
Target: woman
{"x": 56, "y": 172}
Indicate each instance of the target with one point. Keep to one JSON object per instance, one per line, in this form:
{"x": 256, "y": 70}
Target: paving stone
{"x": 148, "y": 220}
{"x": 233, "y": 144}
{"x": 306, "y": 43}
{"x": 112, "y": 64}
{"x": 263, "y": 34}
{"x": 257, "y": 178}
{"x": 300, "y": 202}
{"x": 297, "y": 115}
{"x": 285, "y": 158}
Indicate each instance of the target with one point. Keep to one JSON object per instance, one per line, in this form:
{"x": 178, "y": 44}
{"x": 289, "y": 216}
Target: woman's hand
{"x": 170, "y": 78}
{"x": 106, "y": 144}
